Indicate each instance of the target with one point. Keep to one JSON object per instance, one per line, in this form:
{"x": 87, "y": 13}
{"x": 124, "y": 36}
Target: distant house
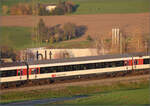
{"x": 50, "y": 7}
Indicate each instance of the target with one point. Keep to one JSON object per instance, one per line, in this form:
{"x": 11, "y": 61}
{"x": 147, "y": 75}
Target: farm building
{"x": 50, "y": 7}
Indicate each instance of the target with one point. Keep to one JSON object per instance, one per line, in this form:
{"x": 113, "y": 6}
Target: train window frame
{"x": 146, "y": 61}
{"x": 135, "y": 62}
{"x": 20, "y": 72}
{"x": 33, "y": 71}
{"x": 77, "y": 67}
{"x": 8, "y": 74}
{"x": 37, "y": 70}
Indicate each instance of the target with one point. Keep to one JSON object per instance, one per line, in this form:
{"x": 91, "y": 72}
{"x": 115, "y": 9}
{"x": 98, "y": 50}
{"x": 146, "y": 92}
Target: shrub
{"x": 57, "y": 33}
{"x": 8, "y": 52}
{"x": 5, "y": 10}
{"x": 89, "y": 38}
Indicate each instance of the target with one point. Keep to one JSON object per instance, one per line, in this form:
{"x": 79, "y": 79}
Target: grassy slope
{"x": 16, "y": 37}
{"x": 72, "y": 44}
{"x": 20, "y": 38}
{"x": 137, "y": 96}
{"x": 91, "y": 90}
{"x": 98, "y": 6}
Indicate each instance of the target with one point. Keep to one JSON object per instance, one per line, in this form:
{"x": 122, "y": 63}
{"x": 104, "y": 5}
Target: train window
{"x": 135, "y": 62}
{"x": 0, "y": 73}
{"x": 96, "y": 65}
{"x": 43, "y": 70}
{"x": 19, "y": 73}
{"x": 106, "y": 65}
{"x": 37, "y": 70}
{"x": 8, "y": 73}
{"x": 78, "y": 67}
{"x": 33, "y": 70}
{"x": 113, "y": 64}
{"x": 101, "y": 65}
{"x": 58, "y": 69}
{"x": 22, "y": 72}
{"x": 110, "y": 64}
{"x": 3, "y": 73}
{"x": 81, "y": 67}
{"x": 120, "y": 63}
{"x": 146, "y": 61}
{"x": 92, "y": 66}
{"x": 126, "y": 63}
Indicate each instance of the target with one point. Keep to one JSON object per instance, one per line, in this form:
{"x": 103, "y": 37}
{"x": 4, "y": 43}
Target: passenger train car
{"x": 63, "y": 68}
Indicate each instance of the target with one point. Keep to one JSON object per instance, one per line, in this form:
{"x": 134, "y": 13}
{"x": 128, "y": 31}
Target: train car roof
{"x": 13, "y": 64}
{"x": 87, "y": 58}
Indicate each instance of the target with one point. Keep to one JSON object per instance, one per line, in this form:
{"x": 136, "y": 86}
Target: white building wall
{"x": 56, "y": 52}
{"x": 50, "y": 8}
{"x": 72, "y": 52}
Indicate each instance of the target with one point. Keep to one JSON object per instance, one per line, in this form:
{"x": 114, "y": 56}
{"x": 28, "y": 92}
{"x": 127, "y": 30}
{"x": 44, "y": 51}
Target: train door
{"x": 140, "y": 61}
{"x": 20, "y": 73}
{"x": 34, "y": 72}
{"x": 126, "y": 63}
{"x": 135, "y": 62}
{"x": 130, "y": 64}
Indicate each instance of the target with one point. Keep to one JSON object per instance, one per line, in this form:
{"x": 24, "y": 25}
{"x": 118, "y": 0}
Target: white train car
{"x": 10, "y": 72}
{"x": 63, "y": 68}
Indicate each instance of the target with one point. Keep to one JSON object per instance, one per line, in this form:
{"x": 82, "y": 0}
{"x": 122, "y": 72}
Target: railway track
{"x": 83, "y": 80}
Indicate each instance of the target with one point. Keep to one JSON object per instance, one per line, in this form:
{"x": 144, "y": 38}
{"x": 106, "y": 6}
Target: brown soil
{"x": 99, "y": 24}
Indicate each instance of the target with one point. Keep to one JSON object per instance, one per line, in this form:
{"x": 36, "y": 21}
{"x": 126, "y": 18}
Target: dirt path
{"x": 98, "y": 24}
{"x": 109, "y": 81}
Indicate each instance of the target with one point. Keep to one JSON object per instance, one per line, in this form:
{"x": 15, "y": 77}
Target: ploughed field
{"x": 98, "y": 24}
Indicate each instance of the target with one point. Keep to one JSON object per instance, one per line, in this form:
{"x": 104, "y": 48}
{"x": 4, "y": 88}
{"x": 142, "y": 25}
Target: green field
{"x": 97, "y": 6}
{"x": 72, "y": 44}
{"x": 124, "y": 97}
{"x": 108, "y": 93}
{"x": 16, "y": 37}
{"x": 112, "y": 6}
{"x": 20, "y": 38}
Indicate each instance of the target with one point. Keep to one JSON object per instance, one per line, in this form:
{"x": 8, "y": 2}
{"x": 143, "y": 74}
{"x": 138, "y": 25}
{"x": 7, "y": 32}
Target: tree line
{"x": 65, "y": 7}
{"x": 57, "y": 33}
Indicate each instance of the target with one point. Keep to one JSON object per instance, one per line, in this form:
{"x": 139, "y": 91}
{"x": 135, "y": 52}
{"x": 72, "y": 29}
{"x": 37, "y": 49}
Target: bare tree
{"x": 99, "y": 44}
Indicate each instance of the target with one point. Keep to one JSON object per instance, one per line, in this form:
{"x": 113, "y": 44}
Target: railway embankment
{"x": 74, "y": 89}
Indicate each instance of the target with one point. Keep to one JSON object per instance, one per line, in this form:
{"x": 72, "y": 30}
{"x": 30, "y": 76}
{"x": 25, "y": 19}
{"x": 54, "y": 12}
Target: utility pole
{"x": 121, "y": 51}
{"x": 0, "y": 55}
{"x": 117, "y": 40}
{"x": 146, "y": 47}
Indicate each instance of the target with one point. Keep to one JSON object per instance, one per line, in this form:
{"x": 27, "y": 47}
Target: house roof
{"x": 45, "y": 5}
